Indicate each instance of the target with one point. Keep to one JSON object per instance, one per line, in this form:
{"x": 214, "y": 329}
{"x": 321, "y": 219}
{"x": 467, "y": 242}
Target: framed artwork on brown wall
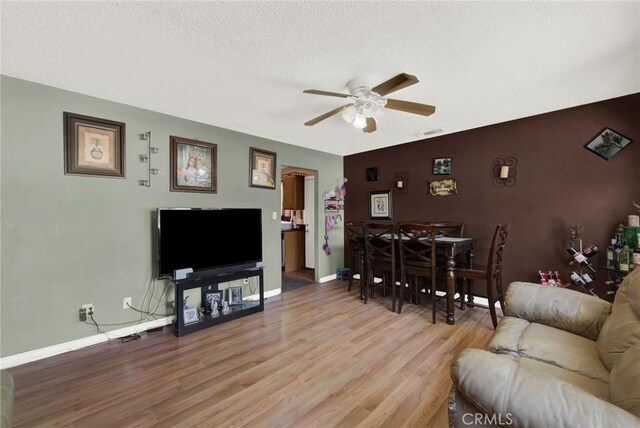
{"x": 193, "y": 165}
{"x": 262, "y": 168}
{"x": 442, "y": 166}
{"x": 607, "y": 143}
{"x": 93, "y": 146}
{"x": 380, "y": 205}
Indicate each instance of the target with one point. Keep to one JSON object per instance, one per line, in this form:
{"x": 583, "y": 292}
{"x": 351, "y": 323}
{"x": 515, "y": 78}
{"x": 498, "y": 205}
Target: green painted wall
{"x": 69, "y": 240}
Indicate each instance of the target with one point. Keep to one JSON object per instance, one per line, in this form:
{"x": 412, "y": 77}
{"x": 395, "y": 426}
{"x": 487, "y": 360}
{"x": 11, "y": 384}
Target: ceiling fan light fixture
{"x": 349, "y": 114}
{"x": 360, "y": 121}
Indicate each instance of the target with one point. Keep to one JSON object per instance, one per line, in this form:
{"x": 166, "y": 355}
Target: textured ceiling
{"x": 244, "y": 65}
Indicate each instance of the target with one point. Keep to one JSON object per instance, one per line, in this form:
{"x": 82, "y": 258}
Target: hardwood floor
{"x": 316, "y": 357}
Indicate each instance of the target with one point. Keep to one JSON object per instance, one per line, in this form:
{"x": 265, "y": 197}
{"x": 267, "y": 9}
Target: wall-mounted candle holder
{"x": 505, "y": 172}
{"x": 146, "y": 157}
{"x": 401, "y": 182}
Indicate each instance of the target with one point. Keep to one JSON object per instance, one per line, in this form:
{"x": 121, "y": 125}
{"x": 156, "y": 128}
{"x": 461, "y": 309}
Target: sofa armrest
{"x": 561, "y": 308}
{"x": 510, "y": 393}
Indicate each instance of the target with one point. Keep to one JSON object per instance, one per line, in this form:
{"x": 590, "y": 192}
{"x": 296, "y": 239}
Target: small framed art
{"x": 190, "y": 315}
{"x": 193, "y": 166}
{"x": 380, "y": 205}
{"x": 211, "y": 299}
{"x": 442, "y": 166}
{"x": 372, "y": 173}
{"x": 93, "y": 146}
{"x": 607, "y": 143}
{"x": 235, "y": 295}
{"x": 262, "y": 168}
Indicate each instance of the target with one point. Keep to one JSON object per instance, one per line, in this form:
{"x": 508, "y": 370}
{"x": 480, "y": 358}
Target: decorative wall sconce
{"x": 146, "y": 157}
{"x": 401, "y": 182}
{"x": 505, "y": 172}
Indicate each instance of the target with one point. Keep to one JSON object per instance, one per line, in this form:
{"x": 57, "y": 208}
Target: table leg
{"x": 451, "y": 286}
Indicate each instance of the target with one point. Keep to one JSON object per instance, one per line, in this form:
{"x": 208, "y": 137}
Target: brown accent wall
{"x": 559, "y": 183}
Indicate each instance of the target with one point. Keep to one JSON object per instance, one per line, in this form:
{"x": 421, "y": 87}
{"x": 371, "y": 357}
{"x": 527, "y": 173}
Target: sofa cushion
{"x": 625, "y": 381}
{"x": 562, "y": 349}
{"x": 621, "y": 330}
{"x": 532, "y": 393}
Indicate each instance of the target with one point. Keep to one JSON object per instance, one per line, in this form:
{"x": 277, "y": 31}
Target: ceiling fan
{"x": 367, "y": 103}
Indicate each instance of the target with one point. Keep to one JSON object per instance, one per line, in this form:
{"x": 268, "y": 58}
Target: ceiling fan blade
{"x": 326, "y": 115}
{"x": 409, "y": 107}
{"x": 371, "y": 125}
{"x": 395, "y": 84}
{"x": 331, "y": 94}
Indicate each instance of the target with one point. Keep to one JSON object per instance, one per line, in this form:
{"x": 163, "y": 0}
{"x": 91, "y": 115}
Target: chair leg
{"x": 492, "y": 310}
{"x": 470, "y": 293}
{"x": 433, "y": 302}
{"x": 401, "y": 296}
{"x": 462, "y": 288}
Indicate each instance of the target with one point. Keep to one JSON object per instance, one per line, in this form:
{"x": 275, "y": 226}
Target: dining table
{"x": 452, "y": 247}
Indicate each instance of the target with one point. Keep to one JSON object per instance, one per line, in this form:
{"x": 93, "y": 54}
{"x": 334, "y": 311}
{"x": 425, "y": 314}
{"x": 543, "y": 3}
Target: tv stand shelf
{"x": 211, "y": 283}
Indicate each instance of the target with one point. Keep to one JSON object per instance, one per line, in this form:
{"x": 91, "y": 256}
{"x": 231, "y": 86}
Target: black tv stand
{"x": 212, "y": 282}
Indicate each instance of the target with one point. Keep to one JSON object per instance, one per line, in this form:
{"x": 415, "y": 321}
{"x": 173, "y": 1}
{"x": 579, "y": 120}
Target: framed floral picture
{"x": 262, "y": 168}
{"x": 93, "y": 146}
{"x": 380, "y": 205}
{"x": 607, "y": 143}
{"x": 193, "y": 166}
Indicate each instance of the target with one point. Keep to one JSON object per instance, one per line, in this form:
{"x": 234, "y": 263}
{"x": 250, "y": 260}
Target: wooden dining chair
{"x": 380, "y": 258}
{"x": 355, "y": 237}
{"x": 491, "y": 273}
{"x": 448, "y": 228}
{"x": 417, "y": 258}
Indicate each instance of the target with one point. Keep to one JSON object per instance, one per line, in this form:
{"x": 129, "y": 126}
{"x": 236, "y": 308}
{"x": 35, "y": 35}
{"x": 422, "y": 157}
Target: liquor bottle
{"x": 580, "y": 258}
{"x": 624, "y": 259}
{"x": 588, "y": 277}
{"x": 590, "y": 251}
{"x": 543, "y": 278}
{"x": 610, "y": 253}
{"x": 617, "y": 248}
{"x": 636, "y": 257}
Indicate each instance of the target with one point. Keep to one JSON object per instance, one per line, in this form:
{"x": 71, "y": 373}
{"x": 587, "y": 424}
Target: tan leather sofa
{"x": 558, "y": 358}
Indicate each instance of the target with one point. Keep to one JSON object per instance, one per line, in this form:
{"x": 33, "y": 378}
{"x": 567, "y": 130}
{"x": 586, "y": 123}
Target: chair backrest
{"x": 417, "y": 245}
{"x": 379, "y": 241}
{"x": 496, "y": 253}
{"x": 355, "y": 236}
{"x": 448, "y": 228}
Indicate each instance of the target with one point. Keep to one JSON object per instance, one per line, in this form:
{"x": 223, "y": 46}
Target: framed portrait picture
{"x": 442, "y": 166}
{"x": 93, "y": 146}
{"x": 380, "y": 205}
{"x": 607, "y": 143}
{"x": 211, "y": 299}
{"x": 193, "y": 165}
{"x": 235, "y": 295}
{"x": 190, "y": 315}
{"x": 262, "y": 168}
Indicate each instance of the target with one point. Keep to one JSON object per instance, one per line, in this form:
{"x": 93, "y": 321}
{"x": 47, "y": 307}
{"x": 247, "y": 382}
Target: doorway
{"x": 298, "y": 227}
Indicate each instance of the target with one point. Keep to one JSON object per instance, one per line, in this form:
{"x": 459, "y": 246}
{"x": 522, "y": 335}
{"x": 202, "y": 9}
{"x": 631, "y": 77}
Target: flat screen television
{"x": 208, "y": 239}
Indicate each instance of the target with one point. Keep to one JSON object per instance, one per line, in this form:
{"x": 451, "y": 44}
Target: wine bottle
{"x": 577, "y": 279}
{"x": 580, "y": 258}
{"x": 590, "y": 251}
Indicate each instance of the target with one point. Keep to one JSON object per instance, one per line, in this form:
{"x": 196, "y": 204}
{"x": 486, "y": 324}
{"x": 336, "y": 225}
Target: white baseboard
{"x": 272, "y": 293}
{"x": 327, "y": 278}
{"x": 50, "y": 351}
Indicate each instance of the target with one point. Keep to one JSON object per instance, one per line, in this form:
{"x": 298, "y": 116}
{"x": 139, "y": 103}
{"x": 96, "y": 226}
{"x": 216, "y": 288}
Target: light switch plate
{"x": 274, "y": 215}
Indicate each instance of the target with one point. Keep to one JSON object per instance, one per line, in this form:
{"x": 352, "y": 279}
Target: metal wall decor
{"x": 401, "y": 182}
{"x": 146, "y": 157}
{"x": 505, "y": 172}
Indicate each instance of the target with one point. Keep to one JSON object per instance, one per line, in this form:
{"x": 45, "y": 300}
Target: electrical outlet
{"x": 86, "y": 311}
{"x": 126, "y": 302}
